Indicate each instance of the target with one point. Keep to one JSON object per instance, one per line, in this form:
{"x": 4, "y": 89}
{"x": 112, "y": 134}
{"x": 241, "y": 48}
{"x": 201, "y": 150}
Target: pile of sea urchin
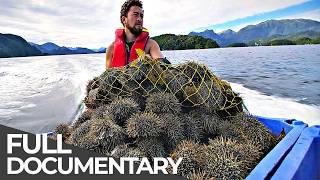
{"x": 150, "y": 109}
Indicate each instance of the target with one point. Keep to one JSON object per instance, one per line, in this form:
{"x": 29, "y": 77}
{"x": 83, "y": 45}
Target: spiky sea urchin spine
{"x": 91, "y": 99}
{"x": 109, "y": 81}
{"x": 249, "y": 132}
{"x": 163, "y": 103}
{"x": 253, "y": 130}
{"x": 209, "y": 122}
{"x": 251, "y": 155}
{"x": 175, "y": 80}
{"x": 228, "y": 129}
{"x": 152, "y": 147}
{"x": 137, "y": 70}
{"x": 195, "y": 71}
{"x": 63, "y": 129}
{"x": 247, "y": 153}
{"x": 121, "y": 110}
{"x": 139, "y": 99}
{"x": 125, "y": 150}
{"x": 112, "y": 85}
{"x": 192, "y": 155}
{"x": 92, "y": 84}
{"x": 212, "y": 95}
{"x": 222, "y": 165}
{"x": 200, "y": 175}
{"x": 192, "y": 127}
{"x": 100, "y": 112}
{"x": 79, "y": 133}
{"x": 173, "y": 130}
{"x": 85, "y": 116}
{"x": 144, "y": 125}
{"x": 104, "y": 135}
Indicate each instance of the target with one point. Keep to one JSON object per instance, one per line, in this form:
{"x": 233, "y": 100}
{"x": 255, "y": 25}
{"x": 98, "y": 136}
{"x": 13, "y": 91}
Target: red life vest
{"x": 120, "y": 58}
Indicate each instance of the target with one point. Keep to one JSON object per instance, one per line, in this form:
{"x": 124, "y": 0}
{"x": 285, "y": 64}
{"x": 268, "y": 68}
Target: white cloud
{"x": 314, "y": 14}
{"x": 92, "y": 23}
{"x": 180, "y": 16}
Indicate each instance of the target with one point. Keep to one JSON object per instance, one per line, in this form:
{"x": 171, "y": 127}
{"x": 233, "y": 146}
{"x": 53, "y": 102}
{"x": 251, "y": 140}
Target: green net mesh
{"x": 192, "y": 83}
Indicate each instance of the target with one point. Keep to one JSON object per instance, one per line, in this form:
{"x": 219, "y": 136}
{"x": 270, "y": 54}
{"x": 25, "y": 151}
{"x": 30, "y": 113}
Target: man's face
{"x": 134, "y": 20}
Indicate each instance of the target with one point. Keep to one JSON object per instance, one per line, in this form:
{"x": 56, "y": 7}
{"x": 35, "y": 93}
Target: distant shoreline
{"x": 169, "y": 50}
{"x": 52, "y": 55}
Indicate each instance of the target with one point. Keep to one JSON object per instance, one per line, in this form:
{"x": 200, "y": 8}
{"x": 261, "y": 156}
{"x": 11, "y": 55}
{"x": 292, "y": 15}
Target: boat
{"x": 296, "y": 156}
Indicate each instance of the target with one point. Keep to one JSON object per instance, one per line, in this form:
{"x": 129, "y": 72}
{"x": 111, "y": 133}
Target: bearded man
{"x": 131, "y": 37}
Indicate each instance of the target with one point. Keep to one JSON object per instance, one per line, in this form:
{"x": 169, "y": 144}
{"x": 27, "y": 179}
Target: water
{"x": 37, "y": 93}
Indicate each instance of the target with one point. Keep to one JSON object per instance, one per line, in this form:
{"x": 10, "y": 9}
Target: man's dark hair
{"x": 127, "y": 5}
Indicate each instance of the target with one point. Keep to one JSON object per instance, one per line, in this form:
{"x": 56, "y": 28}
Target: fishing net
{"x": 192, "y": 83}
{"x": 152, "y": 109}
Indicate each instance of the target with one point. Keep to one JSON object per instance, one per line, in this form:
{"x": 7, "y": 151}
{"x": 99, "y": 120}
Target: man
{"x": 133, "y": 36}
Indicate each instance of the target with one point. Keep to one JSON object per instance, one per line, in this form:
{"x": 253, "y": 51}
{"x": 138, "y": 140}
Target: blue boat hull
{"x": 296, "y": 156}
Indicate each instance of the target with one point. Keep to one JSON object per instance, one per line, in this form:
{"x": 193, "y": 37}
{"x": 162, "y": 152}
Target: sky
{"x": 91, "y": 24}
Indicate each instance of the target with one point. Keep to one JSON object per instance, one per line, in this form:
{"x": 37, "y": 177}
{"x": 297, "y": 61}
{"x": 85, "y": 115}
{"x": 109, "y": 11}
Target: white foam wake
{"x": 277, "y": 107}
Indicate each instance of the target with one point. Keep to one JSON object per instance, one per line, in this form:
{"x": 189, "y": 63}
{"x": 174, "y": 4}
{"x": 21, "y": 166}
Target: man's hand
{"x": 164, "y": 60}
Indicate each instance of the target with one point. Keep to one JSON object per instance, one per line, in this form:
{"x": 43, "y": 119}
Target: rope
{"x": 192, "y": 83}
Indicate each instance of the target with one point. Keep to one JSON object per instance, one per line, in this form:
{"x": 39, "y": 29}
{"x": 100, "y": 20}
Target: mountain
{"x": 15, "y": 46}
{"x": 227, "y": 37}
{"x": 227, "y": 34}
{"x": 81, "y": 50}
{"x": 101, "y": 50}
{"x": 61, "y": 51}
{"x": 50, "y": 48}
{"x": 276, "y": 27}
{"x": 208, "y": 34}
{"x": 305, "y": 37}
{"x": 265, "y": 30}
{"x": 295, "y": 36}
{"x": 65, "y": 50}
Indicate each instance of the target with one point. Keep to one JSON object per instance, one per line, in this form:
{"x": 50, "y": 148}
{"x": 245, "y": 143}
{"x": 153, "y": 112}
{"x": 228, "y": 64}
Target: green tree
{"x": 180, "y": 42}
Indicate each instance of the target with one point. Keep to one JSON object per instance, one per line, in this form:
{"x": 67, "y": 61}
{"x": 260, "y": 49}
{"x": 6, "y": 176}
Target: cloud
{"x": 92, "y": 23}
{"x": 314, "y": 14}
{"x": 183, "y": 16}
{"x": 70, "y": 23}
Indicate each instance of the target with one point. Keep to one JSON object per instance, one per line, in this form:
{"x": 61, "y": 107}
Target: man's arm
{"x": 109, "y": 55}
{"x": 155, "y": 52}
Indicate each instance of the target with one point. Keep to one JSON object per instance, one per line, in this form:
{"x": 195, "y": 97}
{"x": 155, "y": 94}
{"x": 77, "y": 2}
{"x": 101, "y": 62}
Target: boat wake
{"x": 277, "y": 107}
